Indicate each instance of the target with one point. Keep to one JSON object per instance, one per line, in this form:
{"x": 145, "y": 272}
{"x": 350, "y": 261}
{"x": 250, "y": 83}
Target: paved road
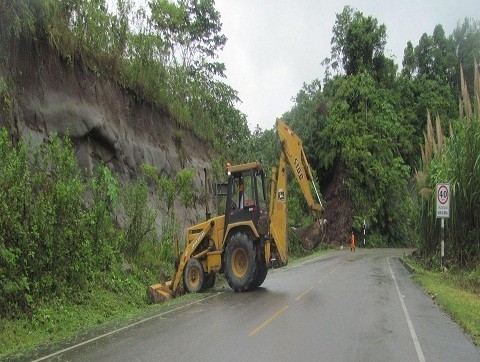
{"x": 342, "y": 306}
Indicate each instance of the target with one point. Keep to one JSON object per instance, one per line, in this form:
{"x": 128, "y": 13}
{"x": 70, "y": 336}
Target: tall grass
{"x": 455, "y": 159}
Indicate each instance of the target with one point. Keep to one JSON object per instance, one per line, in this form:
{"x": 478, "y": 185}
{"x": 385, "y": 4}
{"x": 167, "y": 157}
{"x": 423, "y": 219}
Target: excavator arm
{"x": 292, "y": 151}
{"x": 293, "y": 154}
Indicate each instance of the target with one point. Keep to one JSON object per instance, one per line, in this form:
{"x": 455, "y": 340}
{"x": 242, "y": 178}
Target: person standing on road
{"x": 352, "y": 242}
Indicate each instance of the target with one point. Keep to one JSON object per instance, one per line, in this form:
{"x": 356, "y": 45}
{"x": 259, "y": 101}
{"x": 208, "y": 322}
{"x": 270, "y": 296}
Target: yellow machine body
{"x": 252, "y": 235}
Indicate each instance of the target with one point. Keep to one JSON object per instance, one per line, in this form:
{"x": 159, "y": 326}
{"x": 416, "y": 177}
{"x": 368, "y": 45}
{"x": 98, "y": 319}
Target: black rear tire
{"x": 240, "y": 264}
{"x": 193, "y": 276}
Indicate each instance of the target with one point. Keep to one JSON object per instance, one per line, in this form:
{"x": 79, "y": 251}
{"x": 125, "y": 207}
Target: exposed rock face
{"x": 106, "y": 122}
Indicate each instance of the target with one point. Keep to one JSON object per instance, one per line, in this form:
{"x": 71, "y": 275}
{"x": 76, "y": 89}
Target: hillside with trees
{"x": 363, "y": 125}
{"x": 163, "y": 53}
{"x": 101, "y": 168}
{"x": 109, "y": 116}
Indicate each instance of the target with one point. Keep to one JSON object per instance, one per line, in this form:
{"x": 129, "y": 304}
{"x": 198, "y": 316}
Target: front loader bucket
{"x": 312, "y": 235}
{"x": 158, "y": 293}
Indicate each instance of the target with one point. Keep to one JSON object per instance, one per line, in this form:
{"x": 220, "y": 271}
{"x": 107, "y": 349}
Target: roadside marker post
{"x": 364, "y": 231}
{"x": 443, "y": 212}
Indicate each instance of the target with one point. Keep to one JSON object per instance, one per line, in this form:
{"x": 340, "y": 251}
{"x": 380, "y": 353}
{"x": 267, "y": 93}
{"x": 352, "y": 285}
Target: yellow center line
{"x": 268, "y": 321}
{"x": 305, "y": 292}
{"x": 331, "y": 271}
{"x": 321, "y": 280}
{"x": 283, "y": 309}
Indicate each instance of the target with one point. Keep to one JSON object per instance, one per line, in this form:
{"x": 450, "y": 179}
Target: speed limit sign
{"x": 443, "y": 201}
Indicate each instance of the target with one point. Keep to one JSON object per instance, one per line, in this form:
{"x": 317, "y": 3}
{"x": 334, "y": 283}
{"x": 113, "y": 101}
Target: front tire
{"x": 240, "y": 264}
{"x": 193, "y": 276}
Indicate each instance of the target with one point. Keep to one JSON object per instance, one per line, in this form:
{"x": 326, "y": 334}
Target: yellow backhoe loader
{"x": 252, "y": 235}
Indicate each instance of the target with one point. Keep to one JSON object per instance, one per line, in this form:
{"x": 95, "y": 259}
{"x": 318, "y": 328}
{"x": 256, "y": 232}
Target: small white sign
{"x": 443, "y": 201}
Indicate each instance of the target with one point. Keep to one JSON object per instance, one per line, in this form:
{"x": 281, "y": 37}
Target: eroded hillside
{"x": 106, "y": 122}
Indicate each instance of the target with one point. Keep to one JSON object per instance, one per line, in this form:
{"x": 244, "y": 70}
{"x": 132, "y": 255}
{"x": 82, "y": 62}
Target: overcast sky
{"x": 274, "y": 46}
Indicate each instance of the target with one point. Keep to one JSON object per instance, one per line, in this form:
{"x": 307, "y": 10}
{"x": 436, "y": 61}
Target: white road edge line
{"x": 123, "y": 328}
{"x": 418, "y": 348}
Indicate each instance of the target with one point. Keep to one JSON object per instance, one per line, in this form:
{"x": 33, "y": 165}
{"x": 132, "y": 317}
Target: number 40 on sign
{"x": 443, "y": 201}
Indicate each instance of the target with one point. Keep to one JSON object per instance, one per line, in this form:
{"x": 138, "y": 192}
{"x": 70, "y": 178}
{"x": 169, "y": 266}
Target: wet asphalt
{"x": 341, "y": 306}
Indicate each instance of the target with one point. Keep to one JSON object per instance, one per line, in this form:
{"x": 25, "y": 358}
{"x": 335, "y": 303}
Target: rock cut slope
{"x": 106, "y": 122}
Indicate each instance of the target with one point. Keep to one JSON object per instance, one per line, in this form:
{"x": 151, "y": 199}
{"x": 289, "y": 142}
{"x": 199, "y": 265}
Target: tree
{"x": 366, "y": 135}
{"x": 466, "y": 38}
{"x": 435, "y": 56}
{"x": 409, "y": 62}
{"x": 439, "y": 58}
{"x": 357, "y": 41}
{"x": 190, "y": 30}
{"x": 308, "y": 116}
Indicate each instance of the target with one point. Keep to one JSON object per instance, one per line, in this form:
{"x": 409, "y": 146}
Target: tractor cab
{"x": 246, "y": 196}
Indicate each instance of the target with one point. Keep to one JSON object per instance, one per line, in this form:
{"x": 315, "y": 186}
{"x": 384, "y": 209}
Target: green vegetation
{"x": 46, "y": 247}
{"x": 60, "y": 319}
{"x": 99, "y": 312}
{"x": 454, "y": 159}
{"x": 170, "y": 191}
{"x": 66, "y": 262}
{"x": 367, "y": 121}
{"x": 164, "y": 53}
{"x": 56, "y": 247}
{"x": 456, "y": 292}
{"x": 364, "y": 118}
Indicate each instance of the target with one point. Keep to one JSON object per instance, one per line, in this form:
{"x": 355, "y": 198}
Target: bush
{"x": 140, "y": 218}
{"x": 103, "y": 234}
{"x": 180, "y": 190}
{"x": 373, "y": 241}
{"x": 51, "y": 243}
{"x": 44, "y": 244}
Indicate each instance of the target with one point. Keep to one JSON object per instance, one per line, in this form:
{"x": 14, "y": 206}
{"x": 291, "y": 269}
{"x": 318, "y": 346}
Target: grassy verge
{"x": 456, "y": 292}
{"x": 60, "y": 322}
{"x": 59, "y": 319}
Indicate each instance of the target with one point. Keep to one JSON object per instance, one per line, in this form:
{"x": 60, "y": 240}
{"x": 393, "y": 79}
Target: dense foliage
{"x": 454, "y": 159}
{"x": 59, "y": 233}
{"x": 369, "y": 120}
{"x": 165, "y": 53}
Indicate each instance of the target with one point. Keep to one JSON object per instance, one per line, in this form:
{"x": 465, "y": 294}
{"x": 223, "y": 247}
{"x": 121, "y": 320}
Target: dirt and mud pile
{"x": 338, "y": 209}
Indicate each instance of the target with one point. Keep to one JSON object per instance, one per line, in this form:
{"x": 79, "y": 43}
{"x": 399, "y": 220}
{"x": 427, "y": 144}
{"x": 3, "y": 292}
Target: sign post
{"x": 443, "y": 212}
{"x": 364, "y": 231}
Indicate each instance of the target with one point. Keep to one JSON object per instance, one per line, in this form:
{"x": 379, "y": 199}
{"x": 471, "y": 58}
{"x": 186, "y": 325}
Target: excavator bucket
{"x": 158, "y": 293}
{"x": 311, "y": 235}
